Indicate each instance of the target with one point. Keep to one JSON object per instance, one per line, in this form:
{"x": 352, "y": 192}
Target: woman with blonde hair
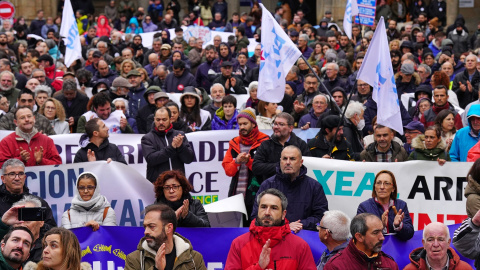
{"x": 144, "y": 74}
{"x": 53, "y": 110}
{"x": 127, "y": 66}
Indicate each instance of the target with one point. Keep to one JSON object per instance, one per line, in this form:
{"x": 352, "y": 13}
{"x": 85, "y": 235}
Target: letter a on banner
{"x": 278, "y": 55}
{"x": 69, "y": 34}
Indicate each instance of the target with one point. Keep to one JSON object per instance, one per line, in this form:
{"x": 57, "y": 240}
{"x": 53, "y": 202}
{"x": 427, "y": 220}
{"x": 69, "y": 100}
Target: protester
{"x": 385, "y": 205}
{"x": 12, "y": 256}
{"x": 334, "y": 233}
{"x": 330, "y": 142}
{"x": 89, "y": 208}
{"x": 466, "y": 137}
{"x": 53, "y": 110}
{"x": 162, "y": 247}
{"x": 269, "y": 242}
{"x": 430, "y": 146}
{"x": 173, "y": 189}
{"x": 197, "y": 119}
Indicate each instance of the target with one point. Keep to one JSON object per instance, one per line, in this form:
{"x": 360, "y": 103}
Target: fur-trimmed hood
{"x": 419, "y": 143}
{"x": 418, "y": 80}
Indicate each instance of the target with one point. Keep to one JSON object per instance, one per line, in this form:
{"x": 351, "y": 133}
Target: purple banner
{"x": 107, "y": 248}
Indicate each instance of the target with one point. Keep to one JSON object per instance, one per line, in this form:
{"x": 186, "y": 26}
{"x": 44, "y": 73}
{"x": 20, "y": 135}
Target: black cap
{"x": 178, "y": 29}
{"x": 226, "y": 64}
{"x": 294, "y": 33}
{"x": 331, "y": 121}
{"x": 97, "y": 54}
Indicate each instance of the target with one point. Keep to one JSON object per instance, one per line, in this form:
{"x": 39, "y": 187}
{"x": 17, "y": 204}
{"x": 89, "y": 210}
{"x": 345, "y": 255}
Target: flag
{"x": 351, "y": 10}
{"x": 377, "y": 71}
{"x": 278, "y": 55}
{"x": 69, "y": 34}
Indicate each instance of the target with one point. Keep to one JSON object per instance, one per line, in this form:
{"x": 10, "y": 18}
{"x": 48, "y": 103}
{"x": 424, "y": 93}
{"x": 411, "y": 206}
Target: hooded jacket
{"x": 81, "y": 211}
{"x": 269, "y": 152}
{"x": 174, "y": 84}
{"x": 418, "y": 261}
{"x": 420, "y": 152}
{"x": 220, "y": 123}
{"x": 144, "y": 257}
{"x": 464, "y": 139}
{"x": 319, "y": 147}
{"x": 306, "y": 198}
{"x": 105, "y": 151}
{"x": 136, "y": 30}
{"x": 103, "y": 29}
{"x": 352, "y": 258}
{"x": 288, "y": 251}
{"x": 161, "y": 156}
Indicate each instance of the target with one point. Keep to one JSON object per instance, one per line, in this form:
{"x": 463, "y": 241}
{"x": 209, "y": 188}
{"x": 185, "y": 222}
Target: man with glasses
{"x": 27, "y": 143}
{"x": 26, "y": 99}
{"x": 306, "y": 195}
{"x": 365, "y": 247}
{"x": 436, "y": 252}
{"x": 269, "y": 152}
{"x": 412, "y": 130}
{"x": 97, "y": 146}
{"x": 302, "y": 46}
{"x": 334, "y": 233}
{"x": 13, "y": 190}
{"x": 257, "y": 249}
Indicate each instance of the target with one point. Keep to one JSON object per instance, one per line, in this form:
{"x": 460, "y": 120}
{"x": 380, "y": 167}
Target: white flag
{"x": 377, "y": 71}
{"x": 279, "y": 54}
{"x": 351, "y": 10}
{"x": 69, "y": 34}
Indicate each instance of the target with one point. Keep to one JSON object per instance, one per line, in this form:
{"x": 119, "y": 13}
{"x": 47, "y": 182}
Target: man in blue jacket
{"x": 306, "y": 198}
{"x": 466, "y": 137}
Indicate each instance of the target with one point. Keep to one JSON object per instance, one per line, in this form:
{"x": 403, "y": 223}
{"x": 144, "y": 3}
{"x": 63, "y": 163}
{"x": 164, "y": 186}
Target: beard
{"x": 4, "y": 88}
{"x": 157, "y": 241}
{"x": 13, "y": 258}
{"x": 378, "y": 247}
{"x": 273, "y": 223}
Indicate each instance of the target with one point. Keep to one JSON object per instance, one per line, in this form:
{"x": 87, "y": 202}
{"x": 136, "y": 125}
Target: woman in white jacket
{"x": 89, "y": 208}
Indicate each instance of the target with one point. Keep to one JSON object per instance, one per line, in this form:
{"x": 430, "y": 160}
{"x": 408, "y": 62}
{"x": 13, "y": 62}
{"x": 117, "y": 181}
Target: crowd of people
{"x": 121, "y": 86}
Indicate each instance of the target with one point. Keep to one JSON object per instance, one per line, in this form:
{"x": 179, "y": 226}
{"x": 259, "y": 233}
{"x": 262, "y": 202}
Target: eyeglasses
{"x": 88, "y": 188}
{"x": 174, "y": 187}
{"x": 275, "y": 124}
{"x": 363, "y": 85}
{"x": 12, "y": 175}
{"x": 50, "y": 108}
{"x": 321, "y": 227}
{"x": 385, "y": 184}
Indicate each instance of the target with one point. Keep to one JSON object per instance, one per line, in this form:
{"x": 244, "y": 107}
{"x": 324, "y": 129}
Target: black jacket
{"x": 161, "y": 156}
{"x": 319, "y": 147}
{"x": 196, "y": 217}
{"x": 7, "y": 199}
{"x": 238, "y": 88}
{"x": 142, "y": 118}
{"x": 105, "y": 151}
{"x": 464, "y": 98}
{"x": 77, "y": 109}
{"x": 354, "y": 137}
{"x": 268, "y": 155}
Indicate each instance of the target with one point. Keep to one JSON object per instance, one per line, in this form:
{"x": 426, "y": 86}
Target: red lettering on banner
{"x": 424, "y": 219}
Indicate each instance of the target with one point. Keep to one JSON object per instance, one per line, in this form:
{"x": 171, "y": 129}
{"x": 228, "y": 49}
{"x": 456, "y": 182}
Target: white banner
{"x": 432, "y": 192}
{"x": 127, "y": 191}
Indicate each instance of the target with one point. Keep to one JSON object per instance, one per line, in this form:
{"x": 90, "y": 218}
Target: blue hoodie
{"x": 136, "y": 29}
{"x": 464, "y": 138}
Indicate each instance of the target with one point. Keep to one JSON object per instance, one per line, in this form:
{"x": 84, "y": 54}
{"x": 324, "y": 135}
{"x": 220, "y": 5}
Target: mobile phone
{"x": 32, "y": 213}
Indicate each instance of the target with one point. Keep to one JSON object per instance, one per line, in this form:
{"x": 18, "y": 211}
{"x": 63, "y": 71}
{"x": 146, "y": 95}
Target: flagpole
{"x": 318, "y": 78}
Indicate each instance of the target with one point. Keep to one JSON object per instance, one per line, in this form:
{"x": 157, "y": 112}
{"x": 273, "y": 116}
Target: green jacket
{"x": 4, "y": 265}
{"x": 187, "y": 258}
{"x": 421, "y": 153}
{"x": 242, "y": 43}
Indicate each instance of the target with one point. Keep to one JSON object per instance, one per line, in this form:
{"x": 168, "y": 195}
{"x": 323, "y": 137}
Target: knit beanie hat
{"x": 248, "y": 113}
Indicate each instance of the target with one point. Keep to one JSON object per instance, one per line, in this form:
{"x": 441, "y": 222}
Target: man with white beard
{"x": 7, "y": 87}
{"x": 217, "y": 92}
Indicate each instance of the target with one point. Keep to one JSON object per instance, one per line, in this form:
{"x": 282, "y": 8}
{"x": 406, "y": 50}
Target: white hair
{"x": 338, "y": 223}
{"x": 354, "y": 107}
{"x": 217, "y": 84}
{"x": 253, "y": 85}
{"x": 43, "y": 89}
{"x": 436, "y": 223}
{"x": 124, "y": 101}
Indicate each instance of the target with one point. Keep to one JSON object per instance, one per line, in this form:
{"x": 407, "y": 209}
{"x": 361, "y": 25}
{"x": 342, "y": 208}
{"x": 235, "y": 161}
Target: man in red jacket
{"x": 364, "y": 251}
{"x": 27, "y": 143}
{"x": 238, "y": 160}
{"x": 270, "y": 243}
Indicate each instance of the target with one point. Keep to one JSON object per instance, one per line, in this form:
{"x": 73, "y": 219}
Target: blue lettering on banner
{"x": 322, "y": 179}
{"x": 54, "y": 177}
{"x": 341, "y": 182}
{"x": 366, "y": 184}
{"x": 72, "y": 35}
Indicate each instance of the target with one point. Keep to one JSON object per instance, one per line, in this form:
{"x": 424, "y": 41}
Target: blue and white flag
{"x": 69, "y": 34}
{"x": 351, "y": 10}
{"x": 377, "y": 71}
{"x": 278, "y": 55}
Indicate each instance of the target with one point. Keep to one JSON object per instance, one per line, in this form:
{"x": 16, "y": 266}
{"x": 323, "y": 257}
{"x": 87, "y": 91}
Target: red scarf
{"x": 274, "y": 233}
{"x": 166, "y": 130}
{"x": 436, "y": 109}
{"x": 251, "y": 138}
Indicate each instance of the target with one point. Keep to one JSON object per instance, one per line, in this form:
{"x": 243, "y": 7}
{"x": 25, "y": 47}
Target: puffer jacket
{"x": 288, "y": 251}
{"x": 418, "y": 255}
{"x": 77, "y": 216}
{"x": 472, "y": 193}
{"x": 161, "y": 156}
{"x": 422, "y": 153}
{"x": 218, "y": 122}
{"x": 464, "y": 138}
{"x": 144, "y": 257}
{"x": 352, "y": 258}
